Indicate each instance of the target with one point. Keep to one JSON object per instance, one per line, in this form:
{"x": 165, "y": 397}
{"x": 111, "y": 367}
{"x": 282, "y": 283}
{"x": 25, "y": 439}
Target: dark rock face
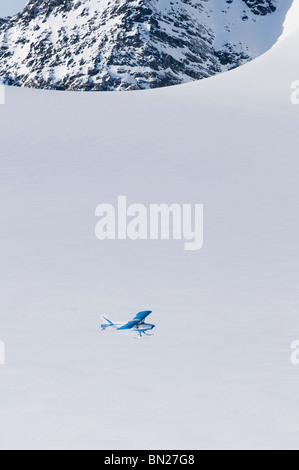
{"x": 261, "y": 7}
{"x": 121, "y": 44}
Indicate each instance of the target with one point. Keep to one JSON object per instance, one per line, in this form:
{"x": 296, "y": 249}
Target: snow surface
{"x": 217, "y": 372}
{"x": 292, "y": 20}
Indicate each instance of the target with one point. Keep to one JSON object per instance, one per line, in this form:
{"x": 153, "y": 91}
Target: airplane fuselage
{"x": 144, "y": 327}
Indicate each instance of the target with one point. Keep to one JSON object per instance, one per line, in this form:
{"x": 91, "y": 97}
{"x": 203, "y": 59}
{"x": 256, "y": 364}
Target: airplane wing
{"x": 142, "y": 315}
{"x": 136, "y": 321}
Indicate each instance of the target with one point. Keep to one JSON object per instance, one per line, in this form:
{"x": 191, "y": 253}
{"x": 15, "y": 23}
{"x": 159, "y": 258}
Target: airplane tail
{"x": 106, "y": 322}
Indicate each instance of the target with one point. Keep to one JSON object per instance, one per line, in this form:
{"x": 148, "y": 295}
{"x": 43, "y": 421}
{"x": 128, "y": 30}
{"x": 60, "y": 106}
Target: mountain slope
{"x": 133, "y": 44}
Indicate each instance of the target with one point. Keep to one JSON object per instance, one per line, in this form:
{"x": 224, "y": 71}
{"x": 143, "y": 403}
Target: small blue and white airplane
{"x": 137, "y": 325}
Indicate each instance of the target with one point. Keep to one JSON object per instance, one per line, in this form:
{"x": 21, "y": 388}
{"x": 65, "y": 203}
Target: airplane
{"x": 137, "y": 325}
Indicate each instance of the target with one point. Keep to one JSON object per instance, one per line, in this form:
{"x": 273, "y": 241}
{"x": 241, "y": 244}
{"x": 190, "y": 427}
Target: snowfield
{"x": 217, "y": 372}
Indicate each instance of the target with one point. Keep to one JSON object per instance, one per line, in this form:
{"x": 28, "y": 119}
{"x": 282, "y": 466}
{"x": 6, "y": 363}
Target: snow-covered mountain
{"x": 133, "y": 44}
